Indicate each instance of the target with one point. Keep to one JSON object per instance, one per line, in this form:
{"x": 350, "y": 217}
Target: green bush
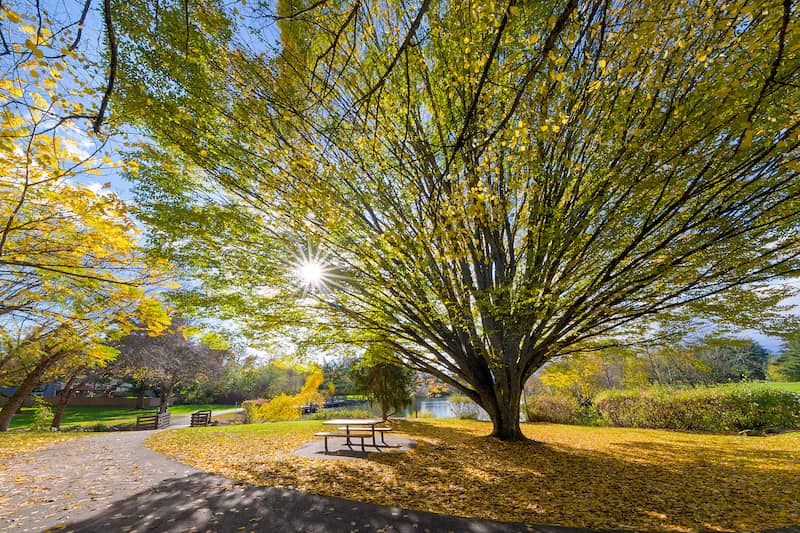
{"x": 328, "y": 414}
{"x": 735, "y": 407}
{"x": 558, "y": 410}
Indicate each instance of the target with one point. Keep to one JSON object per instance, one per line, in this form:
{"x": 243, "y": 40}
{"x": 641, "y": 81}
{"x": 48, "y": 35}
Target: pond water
{"x": 440, "y": 408}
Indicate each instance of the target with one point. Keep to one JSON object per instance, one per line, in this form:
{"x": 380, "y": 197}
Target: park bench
{"x": 200, "y": 418}
{"x": 368, "y": 432}
{"x": 327, "y": 435}
{"x": 155, "y": 421}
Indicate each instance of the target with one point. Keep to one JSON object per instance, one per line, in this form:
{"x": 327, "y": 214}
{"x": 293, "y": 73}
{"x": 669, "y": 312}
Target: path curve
{"x": 113, "y": 482}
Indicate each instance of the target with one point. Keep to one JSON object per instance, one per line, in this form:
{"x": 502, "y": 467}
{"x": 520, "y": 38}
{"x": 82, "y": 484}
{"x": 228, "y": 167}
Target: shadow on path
{"x": 210, "y": 503}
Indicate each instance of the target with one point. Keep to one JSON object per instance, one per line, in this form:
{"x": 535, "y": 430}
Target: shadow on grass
{"x": 641, "y": 480}
{"x": 648, "y": 485}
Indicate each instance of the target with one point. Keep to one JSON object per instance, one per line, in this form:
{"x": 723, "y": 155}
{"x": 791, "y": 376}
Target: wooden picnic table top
{"x": 354, "y": 421}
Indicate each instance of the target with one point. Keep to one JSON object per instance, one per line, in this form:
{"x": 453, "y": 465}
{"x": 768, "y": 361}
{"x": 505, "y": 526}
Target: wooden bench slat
{"x": 326, "y": 435}
{"x": 343, "y": 428}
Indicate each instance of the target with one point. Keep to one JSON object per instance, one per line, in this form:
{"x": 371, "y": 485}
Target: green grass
{"x": 791, "y": 387}
{"x": 110, "y": 416}
{"x": 191, "y": 408}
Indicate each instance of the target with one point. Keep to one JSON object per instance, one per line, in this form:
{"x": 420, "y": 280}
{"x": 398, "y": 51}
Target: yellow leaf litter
{"x": 571, "y": 476}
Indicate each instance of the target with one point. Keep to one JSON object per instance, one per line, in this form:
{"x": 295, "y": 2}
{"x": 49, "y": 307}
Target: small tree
{"x": 383, "y": 380}
{"x": 789, "y": 360}
{"x": 167, "y": 360}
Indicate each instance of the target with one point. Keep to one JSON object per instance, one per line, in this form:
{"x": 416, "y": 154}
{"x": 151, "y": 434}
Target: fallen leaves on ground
{"x": 18, "y": 443}
{"x": 571, "y": 476}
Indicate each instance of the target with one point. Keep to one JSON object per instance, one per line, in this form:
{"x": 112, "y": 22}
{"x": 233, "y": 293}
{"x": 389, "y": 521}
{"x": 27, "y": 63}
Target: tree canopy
{"x": 488, "y": 184}
{"x": 789, "y": 360}
{"x": 166, "y": 359}
{"x": 384, "y": 380}
{"x": 73, "y": 275}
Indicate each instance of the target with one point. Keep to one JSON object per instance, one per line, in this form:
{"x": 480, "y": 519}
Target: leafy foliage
{"x": 492, "y": 185}
{"x": 166, "y": 359}
{"x": 583, "y": 375}
{"x": 328, "y": 414}
{"x": 285, "y": 406}
{"x": 72, "y": 274}
{"x": 556, "y": 409}
{"x": 624, "y": 478}
{"x": 42, "y": 414}
{"x": 706, "y": 361}
{"x": 383, "y": 380}
{"x": 789, "y": 361}
{"x": 738, "y": 407}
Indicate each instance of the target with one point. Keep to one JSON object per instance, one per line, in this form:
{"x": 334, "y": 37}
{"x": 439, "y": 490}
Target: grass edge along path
{"x": 594, "y": 477}
{"x": 15, "y": 443}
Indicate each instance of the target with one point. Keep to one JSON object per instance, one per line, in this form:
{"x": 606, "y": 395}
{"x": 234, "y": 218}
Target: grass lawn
{"x": 574, "y": 476}
{"x": 110, "y": 416}
{"x": 191, "y": 408}
{"x": 17, "y": 443}
{"x": 791, "y": 387}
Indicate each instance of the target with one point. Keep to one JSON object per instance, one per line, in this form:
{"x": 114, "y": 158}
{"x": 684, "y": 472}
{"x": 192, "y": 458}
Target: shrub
{"x": 736, "y": 407}
{"x": 328, "y": 414}
{"x": 42, "y": 414}
{"x": 281, "y": 407}
{"x": 251, "y": 410}
{"x": 463, "y": 407}
{"x": 556, "y": 409}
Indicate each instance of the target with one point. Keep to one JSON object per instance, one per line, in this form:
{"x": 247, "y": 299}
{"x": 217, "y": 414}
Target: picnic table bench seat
{"x": 327, "y": 435}
{"x": 382, "y": 431}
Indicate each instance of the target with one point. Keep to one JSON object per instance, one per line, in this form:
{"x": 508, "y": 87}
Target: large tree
{"x": 490, "y": 184}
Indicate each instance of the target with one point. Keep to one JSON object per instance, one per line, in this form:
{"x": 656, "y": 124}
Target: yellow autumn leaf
{"x": 12, "y": 16}
{"x": 38, "y": 100}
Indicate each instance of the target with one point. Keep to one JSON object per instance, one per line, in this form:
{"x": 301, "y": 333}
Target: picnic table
{"x": 355, "y": 428}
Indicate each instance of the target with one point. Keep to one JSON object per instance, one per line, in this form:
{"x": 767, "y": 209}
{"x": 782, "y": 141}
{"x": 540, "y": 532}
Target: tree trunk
{"x": 503, "y": 406}
{"x": 140, "y": 396}
{"x": 164, "y": 395}
{"x": 61, "y": 402}
{"x": 15, "y": 401}
{"x": 163, "y": 405}
{"x": 505, "y": 420}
